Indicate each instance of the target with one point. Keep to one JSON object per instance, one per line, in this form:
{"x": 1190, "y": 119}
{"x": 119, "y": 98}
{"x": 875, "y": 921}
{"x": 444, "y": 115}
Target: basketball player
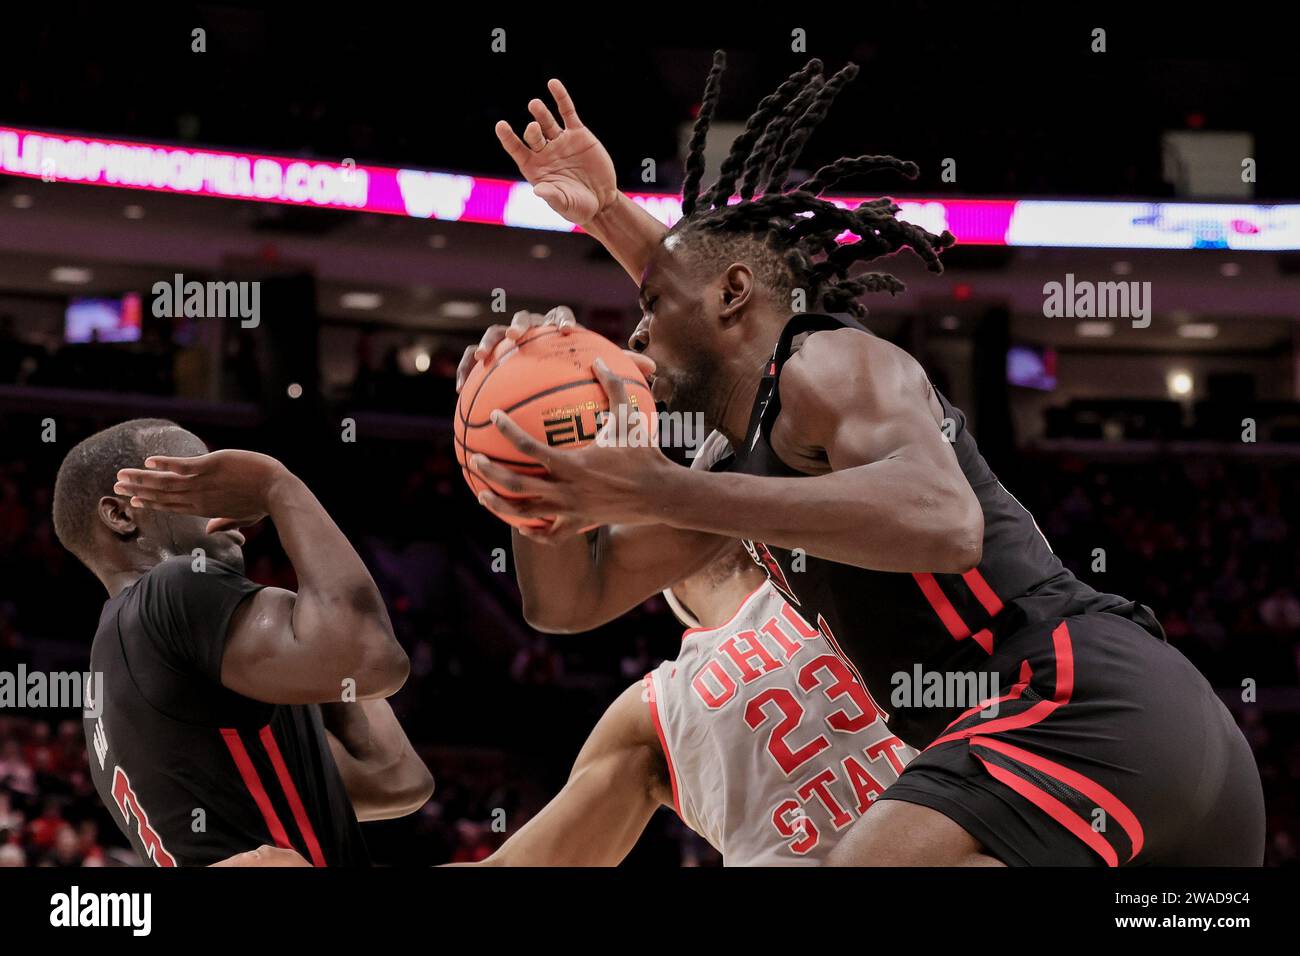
{"x": 222, "y": 725}
{"x": 859, "y": 489}
{"x": 685, "y": 736}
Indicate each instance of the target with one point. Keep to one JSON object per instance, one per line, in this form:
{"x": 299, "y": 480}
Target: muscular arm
{"x": 891, "y": 495}
{"x": 301, "y": 648}
{"x": 882, "y": 488}
{"x": 618, "y": 781}
{"x": 383, "y": 774}
{"x": 582, "y": 581}
{"x": 282, "y": 647}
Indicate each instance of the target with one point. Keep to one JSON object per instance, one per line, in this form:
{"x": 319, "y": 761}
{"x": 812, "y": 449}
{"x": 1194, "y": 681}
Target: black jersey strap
{"x": 767, "y": 404}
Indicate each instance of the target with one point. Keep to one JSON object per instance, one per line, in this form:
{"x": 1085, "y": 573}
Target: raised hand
{"x": 231, "y": 483}
{"x": 567, "y": 165}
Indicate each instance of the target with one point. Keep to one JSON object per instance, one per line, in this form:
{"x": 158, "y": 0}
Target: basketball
{"x": 546, "y": 383}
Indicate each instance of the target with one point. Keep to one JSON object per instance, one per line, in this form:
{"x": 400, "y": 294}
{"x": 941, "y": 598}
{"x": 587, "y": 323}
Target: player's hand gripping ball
{"x": 545, "y": 383}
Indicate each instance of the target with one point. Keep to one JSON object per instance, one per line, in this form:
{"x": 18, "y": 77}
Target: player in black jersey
{"x": 859, "y": 489}
{"x": 232, "y": 715}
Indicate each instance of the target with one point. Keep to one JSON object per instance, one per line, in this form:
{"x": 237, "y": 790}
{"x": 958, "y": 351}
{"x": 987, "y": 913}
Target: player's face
{"x": 174, "y": 534}
{"x": 184, "y": 534}
{"x": 679, "y": 330}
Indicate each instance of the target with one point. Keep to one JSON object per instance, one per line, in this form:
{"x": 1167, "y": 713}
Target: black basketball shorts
{"x": 1109, "y": 748}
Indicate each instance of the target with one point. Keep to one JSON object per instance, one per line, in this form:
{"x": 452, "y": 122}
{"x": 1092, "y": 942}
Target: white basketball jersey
{"x": 773, "y": 744}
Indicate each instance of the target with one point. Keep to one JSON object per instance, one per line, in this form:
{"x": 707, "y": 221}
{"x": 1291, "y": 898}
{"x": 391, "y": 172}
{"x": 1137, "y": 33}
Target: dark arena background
{"x": 363, "y": 187}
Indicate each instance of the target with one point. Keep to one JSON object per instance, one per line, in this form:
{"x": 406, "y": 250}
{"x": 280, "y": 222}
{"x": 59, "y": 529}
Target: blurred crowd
{"x": 1211, "y": 544}
{"x": 50, "y": 814}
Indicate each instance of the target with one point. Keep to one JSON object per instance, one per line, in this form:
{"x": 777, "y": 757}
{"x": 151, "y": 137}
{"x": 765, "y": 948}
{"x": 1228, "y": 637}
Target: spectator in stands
{"x": 91, "y": 853}
{"x": 16, "y": 774}
{"x": 43, "y": 832}
{"x": 12, "y": 820}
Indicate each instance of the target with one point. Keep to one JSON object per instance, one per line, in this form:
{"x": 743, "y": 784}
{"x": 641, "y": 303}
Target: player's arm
{"x": 331, "y": 636}
{"x": 574, "y": 583}
{"x": 628, "y": 233}
{"x": 383, "y": 774}
{"x": 618, "y": 781}
{"x": 893, "y": 496}
{"x": 570, "y": 169}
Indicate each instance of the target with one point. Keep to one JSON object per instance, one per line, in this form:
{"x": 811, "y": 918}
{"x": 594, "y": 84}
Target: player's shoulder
{"x": 172, "y": 568}
{"x": 178, "y": 588}
{"x": 837, "y": 369}
{"x": 631, "y": 725}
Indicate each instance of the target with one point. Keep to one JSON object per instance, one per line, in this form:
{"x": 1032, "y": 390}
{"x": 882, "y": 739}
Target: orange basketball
{"x": 546, "y": 384}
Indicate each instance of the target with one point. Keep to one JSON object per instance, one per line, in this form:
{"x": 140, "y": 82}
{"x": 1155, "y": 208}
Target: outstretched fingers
{"x": 564, "y": 103}
{"x": 515, "y": 147}
{"x": 138, "y": 480}
{"x": 545, "y": 119}
{"x": 180, "y": 466}
{"x": 174, "y": 504}
{"x": 533, "y": 136}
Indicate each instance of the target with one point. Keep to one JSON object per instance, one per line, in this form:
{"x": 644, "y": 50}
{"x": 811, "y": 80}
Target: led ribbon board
{"x": 452, "y": 197}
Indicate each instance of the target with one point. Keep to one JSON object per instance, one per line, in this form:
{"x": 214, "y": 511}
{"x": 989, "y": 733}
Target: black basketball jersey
{"x": 888, "y": 622}
{"x": 192, "y": 772}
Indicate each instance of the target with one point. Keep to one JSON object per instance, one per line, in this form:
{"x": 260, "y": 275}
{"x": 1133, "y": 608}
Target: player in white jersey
{"x": 759, "y": 735}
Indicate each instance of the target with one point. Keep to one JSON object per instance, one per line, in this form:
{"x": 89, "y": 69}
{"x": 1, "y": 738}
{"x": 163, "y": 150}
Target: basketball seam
{"x": 542, "y": 394}
{"x": 469, "y": 409}
{"x": 503, "y": 461}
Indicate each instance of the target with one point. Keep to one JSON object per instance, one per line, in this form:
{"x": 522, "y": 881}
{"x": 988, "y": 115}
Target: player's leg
{"x": 897, "y": 833}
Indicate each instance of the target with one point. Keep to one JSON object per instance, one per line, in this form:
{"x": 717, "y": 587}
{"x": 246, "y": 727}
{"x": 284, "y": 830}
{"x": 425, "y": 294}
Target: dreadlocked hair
{"x": 790, "y": 234}
{"x": 695, "y": 154}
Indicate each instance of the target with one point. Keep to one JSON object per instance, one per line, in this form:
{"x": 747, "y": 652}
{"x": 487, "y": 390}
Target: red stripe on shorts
{"x": 1114, "y": 808}
{"x": 1064, "y": 654}
{"x": 1054, "y": 808}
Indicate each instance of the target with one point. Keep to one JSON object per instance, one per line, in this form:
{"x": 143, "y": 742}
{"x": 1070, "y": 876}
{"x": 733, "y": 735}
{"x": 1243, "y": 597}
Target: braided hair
{"x": 790, "y": 233}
